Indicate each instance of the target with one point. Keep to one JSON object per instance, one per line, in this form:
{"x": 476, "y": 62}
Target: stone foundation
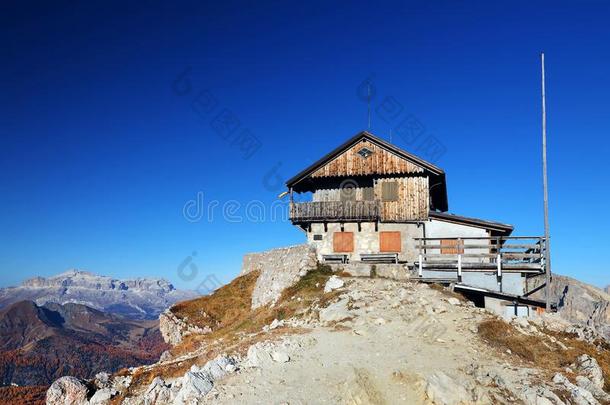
{"x": 385, "y": 270}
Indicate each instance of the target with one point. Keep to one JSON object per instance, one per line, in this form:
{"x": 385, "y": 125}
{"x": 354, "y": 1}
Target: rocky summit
{"x": 331, "y": 338}
{"x": 581, "y": 303}
{"x": 138, "y": 298}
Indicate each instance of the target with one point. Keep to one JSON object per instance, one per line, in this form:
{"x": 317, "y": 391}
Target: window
{"x": 389, "y": 242}
{"x": 368, "y": 194}
{"x": 389, "y": 191}
{"x": 317, "y": 237}
{"x": 343, "y": 242}
{"x": 452, "y": 247}
{"x": 347, "y": 193}
{"x": 365, "y": 152}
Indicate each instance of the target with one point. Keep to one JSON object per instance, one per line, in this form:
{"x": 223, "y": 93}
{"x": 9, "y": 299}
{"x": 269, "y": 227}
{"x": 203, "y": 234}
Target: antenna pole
{"x": 369, "y": 104}
{"x": 547, "y": 256}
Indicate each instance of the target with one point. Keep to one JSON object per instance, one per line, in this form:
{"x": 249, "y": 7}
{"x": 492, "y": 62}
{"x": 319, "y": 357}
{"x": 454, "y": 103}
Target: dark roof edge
{"x": 502, "y": 295}
{"x": 363, "y": 135}
{"x": 497, "y": 226}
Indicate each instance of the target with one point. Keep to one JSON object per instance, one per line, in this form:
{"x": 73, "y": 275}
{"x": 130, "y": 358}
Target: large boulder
{"x": 103, "y": 396}
{"x": 158, "y": 392}
{"x": 595, "y": 390}
{"x": 68, "y": 391}
{"x": 333, "y": 283}
{"x": 259, "y": 355}
{"x": 195, "y": 384}
{"x": 279, "y": 269}
{"x": 588, "y": 367}
{"x": 444, "y": 390}
{"x": 174, "y": 329}
{"x": 336, "y": 312}
{"x": 579, "y": 395}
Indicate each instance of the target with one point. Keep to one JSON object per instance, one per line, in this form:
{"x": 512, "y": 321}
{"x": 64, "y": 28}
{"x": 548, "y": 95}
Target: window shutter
{"x": 389, "y": 191}
{"x": 390, "y": 242}
{"x": 452, "y": 247}
{"x": 343, "y": 242}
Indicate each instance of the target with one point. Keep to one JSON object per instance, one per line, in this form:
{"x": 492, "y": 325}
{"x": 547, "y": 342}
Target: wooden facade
{"x": 411, "y": 201}
{"x": 367, "y": 179}
{"x": 380, "y": 162}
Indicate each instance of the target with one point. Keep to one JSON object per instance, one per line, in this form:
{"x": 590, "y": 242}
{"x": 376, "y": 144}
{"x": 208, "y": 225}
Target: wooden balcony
{"x": 519, "y": 254}
{"x": 335, "y": 210}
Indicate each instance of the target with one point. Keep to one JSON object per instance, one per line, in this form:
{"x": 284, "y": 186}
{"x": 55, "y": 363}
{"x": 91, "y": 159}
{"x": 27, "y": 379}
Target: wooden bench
{"x": 335, "y": 258}
{"x": 379, "y": 257}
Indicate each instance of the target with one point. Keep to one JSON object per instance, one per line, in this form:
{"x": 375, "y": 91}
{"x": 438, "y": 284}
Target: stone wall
{"x": 366, "y": 239}
{"x": 383, "y": 270}
{"x": 280, "y": 268}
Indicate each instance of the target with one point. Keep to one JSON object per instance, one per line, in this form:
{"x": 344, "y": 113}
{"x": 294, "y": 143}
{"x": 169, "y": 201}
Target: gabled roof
{"x": 359, "y": 137}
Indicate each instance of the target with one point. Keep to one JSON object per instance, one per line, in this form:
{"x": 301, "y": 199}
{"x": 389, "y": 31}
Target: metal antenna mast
{"x": 368, "y": 99}
{"x": 547, "y": 256}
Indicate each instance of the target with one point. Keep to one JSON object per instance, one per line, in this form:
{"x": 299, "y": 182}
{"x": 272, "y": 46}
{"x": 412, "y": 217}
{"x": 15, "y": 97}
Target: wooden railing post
{"x": 499, "y": 271}
{"x": 459, "y": 267}
{"x": 460, "y": 250}
{"x": 542, "y": 242}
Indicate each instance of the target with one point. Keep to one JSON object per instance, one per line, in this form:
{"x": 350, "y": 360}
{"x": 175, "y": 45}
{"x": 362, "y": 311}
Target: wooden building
{"x": 368, "y": 201}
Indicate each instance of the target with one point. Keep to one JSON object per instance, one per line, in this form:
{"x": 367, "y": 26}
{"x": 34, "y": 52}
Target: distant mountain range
{"x": 78, "y": 323}
{"x": 41, "y": 343}
{"x": 134, "y": 298}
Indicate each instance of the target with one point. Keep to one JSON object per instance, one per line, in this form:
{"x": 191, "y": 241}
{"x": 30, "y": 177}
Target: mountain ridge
{"x": 138, "y": 298}
{"x": 41, "y": 343}
{"x": 335, "y": 338}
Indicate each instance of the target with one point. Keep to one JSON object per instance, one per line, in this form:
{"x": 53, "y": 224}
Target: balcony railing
{"x": 333, "y": 210}
{"x": 523, "y": 254}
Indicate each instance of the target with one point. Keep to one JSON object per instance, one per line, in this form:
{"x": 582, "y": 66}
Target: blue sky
{"x": 101, "y": 147}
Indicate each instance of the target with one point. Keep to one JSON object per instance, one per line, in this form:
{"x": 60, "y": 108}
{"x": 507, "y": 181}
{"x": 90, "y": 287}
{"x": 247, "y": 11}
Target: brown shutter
{"x": 390, "y": 242}
{"x": 451, "y": 247}
{"x": 343, "y": 242}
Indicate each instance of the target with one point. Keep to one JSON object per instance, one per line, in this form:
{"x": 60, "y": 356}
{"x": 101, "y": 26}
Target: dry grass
{"x": 235, "y": 326}
{"x": 224, "y": 307}
{"x": 308, "y": 289}
{"x": 541, "y": 352}
{"x": 228, "y": 312}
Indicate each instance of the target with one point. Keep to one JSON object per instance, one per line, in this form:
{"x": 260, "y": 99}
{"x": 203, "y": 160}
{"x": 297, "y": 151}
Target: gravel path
{"x": 395, "y": 336}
